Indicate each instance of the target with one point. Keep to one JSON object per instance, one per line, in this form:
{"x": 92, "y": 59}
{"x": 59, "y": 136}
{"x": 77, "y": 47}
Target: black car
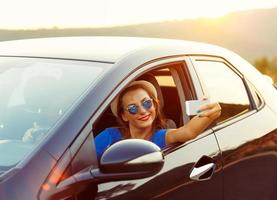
{"x": 55, "y": 97}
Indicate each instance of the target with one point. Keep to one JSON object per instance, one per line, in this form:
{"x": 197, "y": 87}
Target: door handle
{"x": 203, "y": 169}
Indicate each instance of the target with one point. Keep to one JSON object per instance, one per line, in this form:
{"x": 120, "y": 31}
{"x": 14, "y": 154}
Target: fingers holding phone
{"x": 193, "y": 107}
{"x": 203, "y": 108}
{"x": 211, "y": 110}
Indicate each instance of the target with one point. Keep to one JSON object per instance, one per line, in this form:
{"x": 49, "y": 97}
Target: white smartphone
{"x": 193, "y": 106}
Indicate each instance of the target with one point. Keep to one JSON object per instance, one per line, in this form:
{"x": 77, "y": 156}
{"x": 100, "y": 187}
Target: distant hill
{"x": 252, "y": 34}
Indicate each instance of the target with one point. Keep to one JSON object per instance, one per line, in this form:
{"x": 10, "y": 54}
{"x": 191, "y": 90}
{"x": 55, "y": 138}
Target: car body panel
{"x": 102, "y": 49}
{"x": 70, "y": 141}
{"x": 25, "y": 182}
{"x": 249, "y": 156}
{"x": 173, "y": 180}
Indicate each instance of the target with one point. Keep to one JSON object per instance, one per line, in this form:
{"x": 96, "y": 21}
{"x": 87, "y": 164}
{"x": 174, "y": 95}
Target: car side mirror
{"x": 132, "y": 155}
{"x": 129, "y": 159}
{"x": 124, "y": 160}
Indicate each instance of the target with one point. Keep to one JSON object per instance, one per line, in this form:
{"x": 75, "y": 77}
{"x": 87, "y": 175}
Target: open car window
{"x": 168, "y": 96}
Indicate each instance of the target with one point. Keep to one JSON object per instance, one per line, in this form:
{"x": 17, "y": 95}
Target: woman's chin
{"x": 146, "y": 124}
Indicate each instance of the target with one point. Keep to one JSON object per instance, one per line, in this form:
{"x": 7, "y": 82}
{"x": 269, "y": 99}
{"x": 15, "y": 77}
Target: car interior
{"x": 168, "y": 98}
{"x": 166, "y": 79}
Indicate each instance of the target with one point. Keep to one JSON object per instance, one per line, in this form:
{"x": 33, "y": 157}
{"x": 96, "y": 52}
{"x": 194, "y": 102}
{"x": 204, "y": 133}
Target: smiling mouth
{"x": 144, "y": 118}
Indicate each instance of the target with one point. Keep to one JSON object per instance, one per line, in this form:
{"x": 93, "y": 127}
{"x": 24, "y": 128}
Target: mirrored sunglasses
{"x": 134, "y": 109}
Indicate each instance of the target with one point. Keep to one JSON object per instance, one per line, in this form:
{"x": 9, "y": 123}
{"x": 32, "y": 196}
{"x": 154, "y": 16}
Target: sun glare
{"x": 97, "y": 13}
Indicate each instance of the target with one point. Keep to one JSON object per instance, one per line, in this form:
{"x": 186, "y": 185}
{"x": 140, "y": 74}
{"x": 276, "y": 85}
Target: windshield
{"x": 35, "y": 94}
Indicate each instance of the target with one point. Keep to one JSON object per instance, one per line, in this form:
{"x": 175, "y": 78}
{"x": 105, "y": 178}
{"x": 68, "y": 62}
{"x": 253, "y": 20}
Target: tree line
{"x": 267, "y": 66}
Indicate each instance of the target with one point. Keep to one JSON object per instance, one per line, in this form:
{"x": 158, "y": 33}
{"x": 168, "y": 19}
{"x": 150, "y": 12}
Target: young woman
{"x": 138, "y": 111}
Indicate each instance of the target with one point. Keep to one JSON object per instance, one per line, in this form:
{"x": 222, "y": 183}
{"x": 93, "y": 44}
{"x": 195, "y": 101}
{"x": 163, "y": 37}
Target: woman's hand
{"x": 208, "y": 113}
{"x": 211, "y": 110}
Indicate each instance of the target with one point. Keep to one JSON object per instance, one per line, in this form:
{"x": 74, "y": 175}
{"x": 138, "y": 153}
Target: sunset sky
{"x": 33, "y": 14}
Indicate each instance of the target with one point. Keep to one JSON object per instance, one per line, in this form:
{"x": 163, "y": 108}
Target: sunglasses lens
{"x": 132, "y": 109}
{"x": 147, "y": 104}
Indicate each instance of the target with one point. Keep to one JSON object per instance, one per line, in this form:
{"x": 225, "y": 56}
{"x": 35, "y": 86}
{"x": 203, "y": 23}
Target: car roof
{"x": 101, "y": 48}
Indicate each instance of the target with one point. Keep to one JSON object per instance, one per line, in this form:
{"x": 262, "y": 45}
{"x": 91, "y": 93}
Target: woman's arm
{"x": 195, "y": 126}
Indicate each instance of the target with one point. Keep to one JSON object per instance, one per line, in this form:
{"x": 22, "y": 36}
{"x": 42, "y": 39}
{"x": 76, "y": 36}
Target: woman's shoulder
{"x": 160, "y": 131}
{"x": 159, "y": 138}
{"x": 112, "y": 132}
{"x": 158, "y": 134}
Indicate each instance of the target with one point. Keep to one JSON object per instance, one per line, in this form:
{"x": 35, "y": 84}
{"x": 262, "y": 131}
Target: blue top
{"x": 111, "y": 135}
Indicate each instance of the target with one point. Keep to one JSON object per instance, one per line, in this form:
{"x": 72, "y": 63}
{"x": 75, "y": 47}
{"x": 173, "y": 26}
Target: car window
{"x": 35, "y": 94}
{"x": 169, "y": 97}
{"x": 167, "y": 93}
{"x": 224, "y": 86}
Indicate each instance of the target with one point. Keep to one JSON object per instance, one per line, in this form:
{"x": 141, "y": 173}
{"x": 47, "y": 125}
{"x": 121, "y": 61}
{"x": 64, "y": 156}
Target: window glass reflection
{"x": 224, "y": 86}
{"x": 36, "y": 94}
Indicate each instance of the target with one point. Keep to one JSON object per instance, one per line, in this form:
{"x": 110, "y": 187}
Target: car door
{"x": 245, "y": 131}
{"x": 191, "y": 170}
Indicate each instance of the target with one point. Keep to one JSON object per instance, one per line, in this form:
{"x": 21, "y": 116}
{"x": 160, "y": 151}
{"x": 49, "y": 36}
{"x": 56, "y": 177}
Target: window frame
{"x": 140, "y": 70}
{"x": 178, "y": 67}
{"x": 252, "y": 104}
{"x": 254, "y": 92}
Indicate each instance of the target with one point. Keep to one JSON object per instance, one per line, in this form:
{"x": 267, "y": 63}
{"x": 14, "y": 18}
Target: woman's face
{"x": 145, "y": 116}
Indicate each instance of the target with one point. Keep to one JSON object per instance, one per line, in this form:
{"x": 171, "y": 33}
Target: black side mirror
{"x": 129, "y": 159}
{"x": 132, "y": 155}
{"x": 124, "y": 160}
